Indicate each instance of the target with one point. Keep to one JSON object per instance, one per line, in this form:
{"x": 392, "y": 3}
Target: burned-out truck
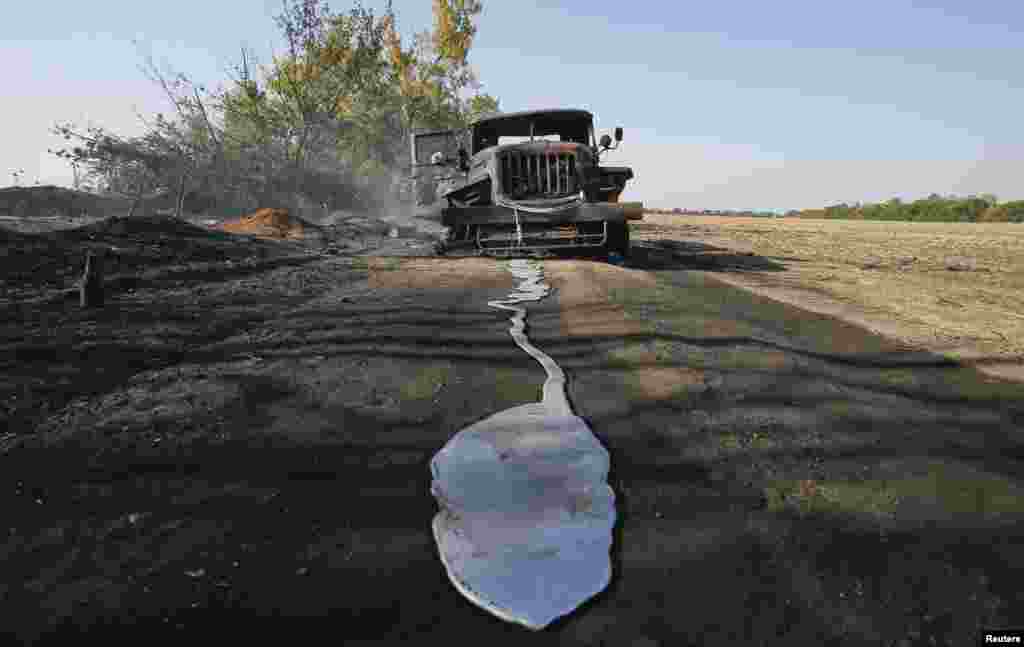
{"x": 525, "y": 182}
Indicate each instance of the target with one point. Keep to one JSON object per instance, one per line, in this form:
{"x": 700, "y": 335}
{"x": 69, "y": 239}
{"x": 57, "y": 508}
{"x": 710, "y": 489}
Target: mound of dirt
{"x": 271, "y": 223}
{"x": 48, "y": 200}
{"x": 46, "y": 264}
{"x": 145, "y": 225}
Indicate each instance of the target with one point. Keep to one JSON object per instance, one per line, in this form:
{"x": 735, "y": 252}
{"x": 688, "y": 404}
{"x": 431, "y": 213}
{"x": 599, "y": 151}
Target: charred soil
{"x": 236, "y": 447}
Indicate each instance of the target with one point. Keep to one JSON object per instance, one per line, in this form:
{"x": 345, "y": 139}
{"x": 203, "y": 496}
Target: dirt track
{"x": 247, "y": 458}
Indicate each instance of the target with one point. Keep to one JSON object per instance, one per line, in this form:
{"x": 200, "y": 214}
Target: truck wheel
{"x": 618, "y": 238}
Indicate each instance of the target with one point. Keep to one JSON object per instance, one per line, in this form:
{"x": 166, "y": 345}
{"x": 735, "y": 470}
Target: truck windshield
{"x": 515, "y": 131}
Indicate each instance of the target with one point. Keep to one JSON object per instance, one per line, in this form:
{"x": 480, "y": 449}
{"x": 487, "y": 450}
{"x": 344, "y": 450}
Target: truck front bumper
{"x": 497, "y": 215}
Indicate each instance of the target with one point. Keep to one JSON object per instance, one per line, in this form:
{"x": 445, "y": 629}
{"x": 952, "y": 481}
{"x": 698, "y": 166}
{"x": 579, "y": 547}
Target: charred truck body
{"x": 526, "y": 182}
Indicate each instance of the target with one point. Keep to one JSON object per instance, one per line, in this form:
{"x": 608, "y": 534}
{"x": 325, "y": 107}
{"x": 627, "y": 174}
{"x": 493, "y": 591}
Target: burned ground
{"x": 241, "y": 452}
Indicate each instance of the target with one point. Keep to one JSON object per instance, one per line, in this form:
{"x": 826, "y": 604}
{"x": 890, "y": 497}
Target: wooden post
{"x": 179, "y": 202}
{"x": 91, "y": 288}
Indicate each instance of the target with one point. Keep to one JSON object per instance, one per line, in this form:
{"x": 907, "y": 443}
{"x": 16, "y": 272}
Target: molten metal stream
{"x": 525, "y": 526}
{"x": 532, "y": 289}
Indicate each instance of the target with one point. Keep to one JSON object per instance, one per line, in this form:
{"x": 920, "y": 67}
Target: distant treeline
{"x": 716, "y": 212}
{"x": 934, "y": 208}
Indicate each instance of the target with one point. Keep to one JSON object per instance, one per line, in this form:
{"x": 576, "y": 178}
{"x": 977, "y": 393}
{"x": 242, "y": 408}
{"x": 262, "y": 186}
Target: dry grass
{"x": 937, "y": 491}
{"x": 587, "y": 308}
{"x": 891, "y": 271}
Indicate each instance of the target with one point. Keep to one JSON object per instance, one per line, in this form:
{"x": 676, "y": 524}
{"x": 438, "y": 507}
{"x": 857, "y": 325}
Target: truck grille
{"x": 538, "y": 175}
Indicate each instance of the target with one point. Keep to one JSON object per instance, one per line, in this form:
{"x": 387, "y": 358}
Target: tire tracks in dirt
{"x": 341, "y": 434}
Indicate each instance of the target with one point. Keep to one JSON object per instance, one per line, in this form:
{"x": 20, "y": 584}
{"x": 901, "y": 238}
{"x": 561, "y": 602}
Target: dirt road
{"x": 247, "y": 458}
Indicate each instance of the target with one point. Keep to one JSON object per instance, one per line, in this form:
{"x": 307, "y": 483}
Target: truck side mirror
{"x": 463, "y": 159}
{"x": 618, "y": 134}
{"x": 606, "y": 141}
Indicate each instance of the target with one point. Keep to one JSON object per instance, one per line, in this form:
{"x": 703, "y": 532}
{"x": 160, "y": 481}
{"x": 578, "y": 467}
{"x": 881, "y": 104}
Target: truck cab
{"x": 526, "y": 181}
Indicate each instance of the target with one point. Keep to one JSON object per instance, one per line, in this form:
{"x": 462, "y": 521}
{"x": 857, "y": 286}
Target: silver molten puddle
{"x": 525, "y": 526}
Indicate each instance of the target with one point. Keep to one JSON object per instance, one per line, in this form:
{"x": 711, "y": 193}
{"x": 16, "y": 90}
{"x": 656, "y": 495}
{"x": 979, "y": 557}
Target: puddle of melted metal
{"x": 525, "y": 526}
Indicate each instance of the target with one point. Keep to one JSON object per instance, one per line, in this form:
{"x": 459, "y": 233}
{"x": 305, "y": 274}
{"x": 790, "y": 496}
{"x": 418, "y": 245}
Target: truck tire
{"x": 618, "y": 239}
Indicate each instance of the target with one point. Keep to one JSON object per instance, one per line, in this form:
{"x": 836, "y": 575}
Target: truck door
{"x": 424, "y": 174}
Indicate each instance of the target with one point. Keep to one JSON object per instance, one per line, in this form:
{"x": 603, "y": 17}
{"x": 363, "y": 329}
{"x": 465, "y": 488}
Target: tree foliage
{"x": 934, "y": 208}
{"x": 327, "y": 120}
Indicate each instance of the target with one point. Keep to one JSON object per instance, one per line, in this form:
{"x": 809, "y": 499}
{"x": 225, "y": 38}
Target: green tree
{"x": 482, "y": 105}
{"x": 130, "y": 167}
{"x": 1014, "y": 210}
{"x": 334, "y": 109}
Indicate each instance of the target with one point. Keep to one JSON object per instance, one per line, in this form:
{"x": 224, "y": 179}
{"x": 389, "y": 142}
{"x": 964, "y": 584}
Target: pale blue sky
{"x": 725, "y": 104}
